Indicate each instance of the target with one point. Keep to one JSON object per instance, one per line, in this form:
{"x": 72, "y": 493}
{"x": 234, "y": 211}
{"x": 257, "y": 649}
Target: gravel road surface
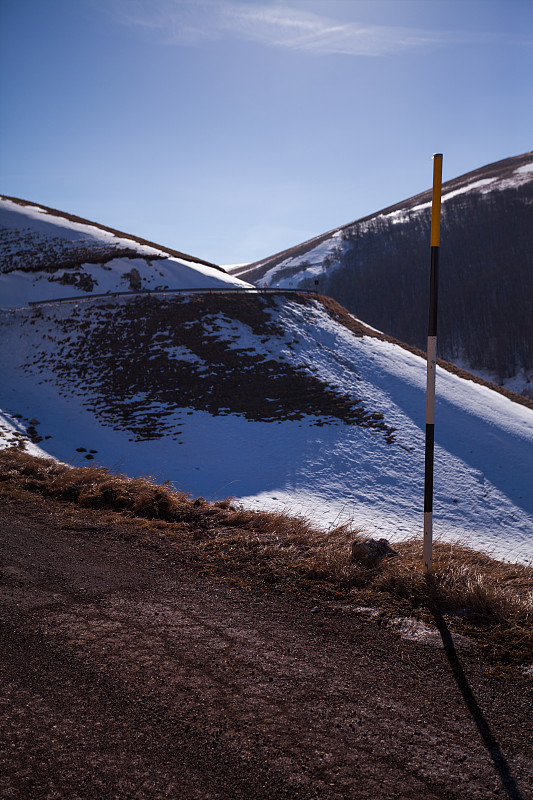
{"x": 127, "y": 671}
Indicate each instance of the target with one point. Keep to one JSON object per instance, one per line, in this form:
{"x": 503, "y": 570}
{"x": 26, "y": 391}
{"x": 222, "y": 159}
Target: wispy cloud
{"x": 190, "y": 22}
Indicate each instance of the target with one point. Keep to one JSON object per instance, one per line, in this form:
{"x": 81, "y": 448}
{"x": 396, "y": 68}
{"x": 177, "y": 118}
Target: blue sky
{"x": 231, "y": 130}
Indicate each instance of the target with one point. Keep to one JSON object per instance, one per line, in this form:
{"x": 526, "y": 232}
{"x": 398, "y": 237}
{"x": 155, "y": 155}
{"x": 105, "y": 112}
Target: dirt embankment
{"x": 129, "y": 670}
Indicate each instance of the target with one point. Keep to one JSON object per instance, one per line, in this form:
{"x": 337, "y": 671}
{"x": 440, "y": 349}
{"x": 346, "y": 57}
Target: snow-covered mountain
{"x": 282, "y": 401}
{"x": 47, "y": 254}
{"x": 378, "y": 267}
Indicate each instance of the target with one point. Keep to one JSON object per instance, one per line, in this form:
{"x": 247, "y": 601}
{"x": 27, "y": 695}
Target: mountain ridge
{"x": 121, "y": 234}
{"x": 503, "y": 168}
{"x": 44, "y": 251}
{"x": 378, "y": 267}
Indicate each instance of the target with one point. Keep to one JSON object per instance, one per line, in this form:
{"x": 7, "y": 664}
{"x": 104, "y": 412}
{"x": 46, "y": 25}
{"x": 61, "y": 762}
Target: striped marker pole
{"x": 432, "y": 363}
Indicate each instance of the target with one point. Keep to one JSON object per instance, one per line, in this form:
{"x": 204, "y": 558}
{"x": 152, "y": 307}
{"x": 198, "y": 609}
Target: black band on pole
{"x": 428, "y": 482}
{"x": 433, "y": 291}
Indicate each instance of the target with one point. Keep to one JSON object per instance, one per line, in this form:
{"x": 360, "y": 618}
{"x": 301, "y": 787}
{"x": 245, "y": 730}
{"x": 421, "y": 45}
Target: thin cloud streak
{"x": 191, "y": 22}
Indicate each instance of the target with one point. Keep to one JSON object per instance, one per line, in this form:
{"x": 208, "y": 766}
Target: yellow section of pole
{"x": 435, "y": 205}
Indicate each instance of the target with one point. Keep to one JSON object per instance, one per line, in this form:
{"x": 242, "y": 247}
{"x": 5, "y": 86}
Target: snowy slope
{"x": 280, "y": 401}
{"x": 378, "y": 268}
{"x": 47, "y": 255}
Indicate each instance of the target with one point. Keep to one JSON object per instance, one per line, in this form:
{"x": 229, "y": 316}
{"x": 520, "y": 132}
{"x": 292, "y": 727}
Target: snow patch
{"x": 414, "y": 630}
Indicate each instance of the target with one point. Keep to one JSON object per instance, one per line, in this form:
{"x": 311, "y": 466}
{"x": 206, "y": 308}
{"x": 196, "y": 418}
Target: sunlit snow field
{"x": 321, "y": 467}
{"x": 335, "y": 472}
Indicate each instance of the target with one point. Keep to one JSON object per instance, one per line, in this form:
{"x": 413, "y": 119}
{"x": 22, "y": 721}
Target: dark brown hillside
{"x": 486, "y": 280}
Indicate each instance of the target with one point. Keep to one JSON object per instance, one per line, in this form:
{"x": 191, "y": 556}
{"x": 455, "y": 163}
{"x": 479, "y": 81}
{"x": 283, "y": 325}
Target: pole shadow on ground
{"x": 499, "y": 761}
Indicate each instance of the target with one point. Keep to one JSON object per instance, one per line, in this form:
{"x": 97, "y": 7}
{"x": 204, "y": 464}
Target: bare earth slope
{"x": 129, "y": 671}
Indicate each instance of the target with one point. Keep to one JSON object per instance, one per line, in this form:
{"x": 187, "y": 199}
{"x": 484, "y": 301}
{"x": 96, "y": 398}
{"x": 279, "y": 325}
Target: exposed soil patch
{"x": 139, "y": 361}
{"x": 30, "y": 251}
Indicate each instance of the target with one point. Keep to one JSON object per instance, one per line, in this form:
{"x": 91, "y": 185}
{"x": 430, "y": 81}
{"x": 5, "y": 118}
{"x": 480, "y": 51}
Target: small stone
{"x": 370, "y": 552}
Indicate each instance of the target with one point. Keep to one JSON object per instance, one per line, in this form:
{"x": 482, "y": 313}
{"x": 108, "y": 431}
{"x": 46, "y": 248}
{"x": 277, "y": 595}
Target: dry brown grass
{"x": 92, "y": 487}
{"x": 480, "y": 592}
{"x": 486, "y": 599}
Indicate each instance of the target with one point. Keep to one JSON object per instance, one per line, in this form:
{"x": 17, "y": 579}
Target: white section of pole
{"x": 431, "y": 375}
